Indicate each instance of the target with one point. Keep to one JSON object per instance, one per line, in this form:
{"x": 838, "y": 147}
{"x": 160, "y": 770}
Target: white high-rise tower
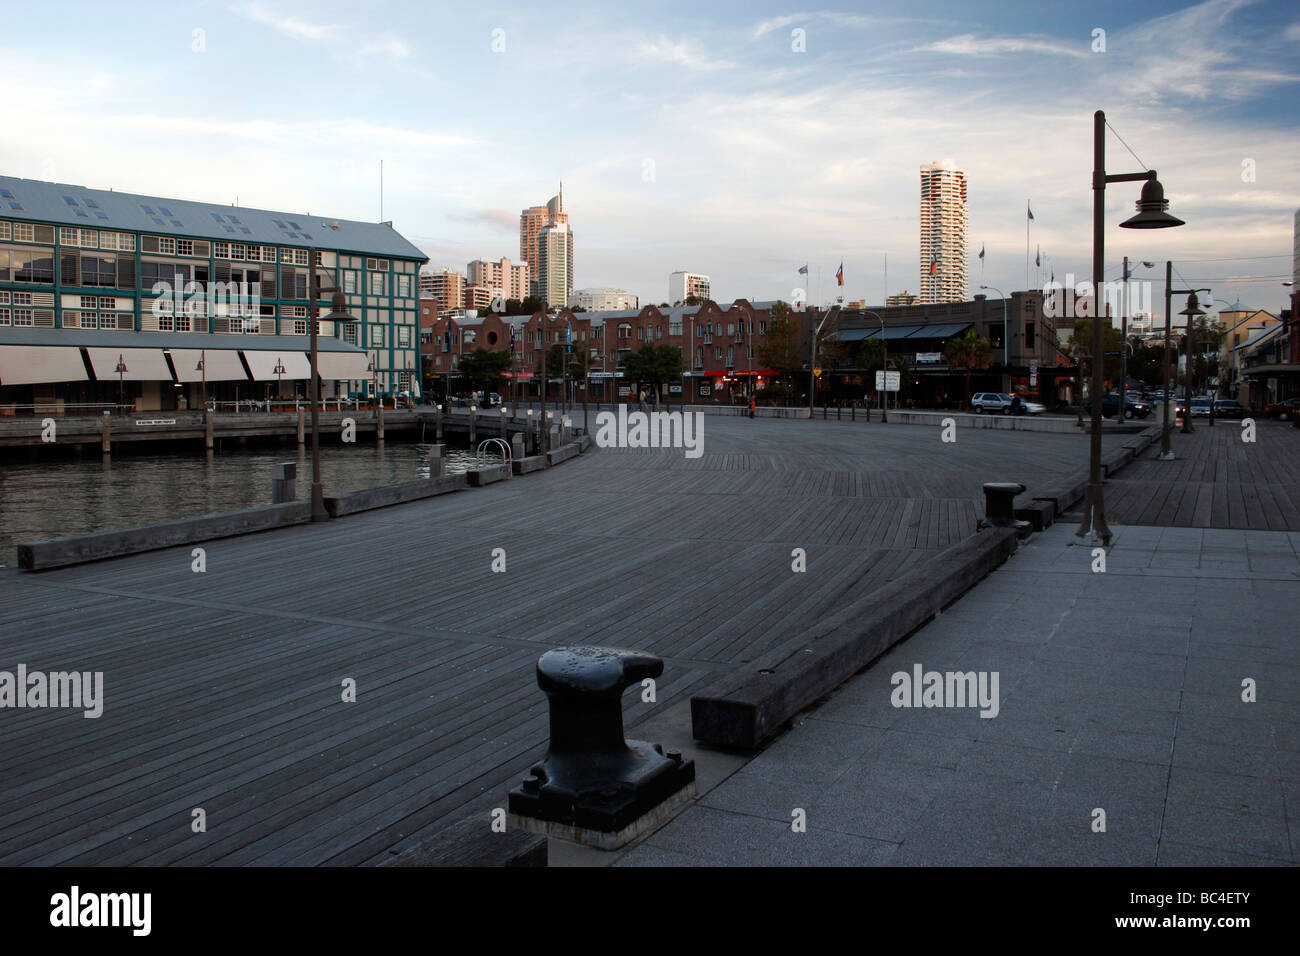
{"x": 943, "y": 233}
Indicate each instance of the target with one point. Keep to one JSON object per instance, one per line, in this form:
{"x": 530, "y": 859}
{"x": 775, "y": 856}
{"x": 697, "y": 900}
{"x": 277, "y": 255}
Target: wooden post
{"x": 473, "y": 426}
{"x": 207, "y": 431}
{"x": 379, "y": 424}
{"x": 106, "y": 435}
{"x": 517, "y": 446}
{"x": 438, "y": 426}
{"x": 301, "y": 430}
{"x": 437, "y": 461}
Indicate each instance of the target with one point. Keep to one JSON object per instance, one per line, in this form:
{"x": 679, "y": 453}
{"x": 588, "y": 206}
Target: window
{"x": 350, "y": 282}
{"x": 376, "y": 335}
{"x": 403, "y": 285}
{"x": 24, "y": 232}
{"x": 182, "y": 323}
{"x": 717, "y": 353}
{"x": 122, "y": 241}
{"x": 404, "y": 336}
{"x": 238, "y": 250}
{"x": 624, "y": 331}
{"x": 184, "y": 247}
{"x": 299, "y": 326}
{"x": 300, "y": 257}
{"x": 6, "y": 231}
{"x": 110, "y": 321}
{"x": 221, "y": 250}
{"x": 22, "y": 298}
{"x": 89, "y": 302}
{"x": 32, "y": 265}
{"x": 377, "y": 283}
{"x": 4, "y": 298}
{"x": 166, "y": 246}
{"x": 22, "y": 316}
{"x": 1029, "y": 334}
{"x": 640, "y": 332}
{"x": 297, "y": 311}
{"x": 5, "y": 317}
{"x": 659, "y": 331}
{"x": 350, "y": 333}
{"x": 268, "y": 253}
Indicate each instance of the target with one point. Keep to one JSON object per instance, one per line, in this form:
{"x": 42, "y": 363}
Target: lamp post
{"x": 1193, "y": 312}
{"x": 279, "y": 380}
{"x": 373, "y": 369}
{"x": 338, "y": 313}
{"x": 884, "y": 366}
{"x": 1122, "y": 406}
{"x": 1006, "y": 333}
{"x": 812, "y": 366}
{"x": 203, "y": 367}
{"x": 121, "y": 380}
{"x": 1151, "y": 215}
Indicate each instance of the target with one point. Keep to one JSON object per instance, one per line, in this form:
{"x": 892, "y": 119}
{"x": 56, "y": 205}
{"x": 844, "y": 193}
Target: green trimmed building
{"x": 106, "y": 294}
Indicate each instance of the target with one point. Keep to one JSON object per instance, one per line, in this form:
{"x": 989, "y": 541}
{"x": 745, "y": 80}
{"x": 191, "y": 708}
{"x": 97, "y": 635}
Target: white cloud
{"x": 290, "y": 27}
{"x": 391, "y": 46}
{"x": 967, "y": 44}
{"x": 688, "y": 53}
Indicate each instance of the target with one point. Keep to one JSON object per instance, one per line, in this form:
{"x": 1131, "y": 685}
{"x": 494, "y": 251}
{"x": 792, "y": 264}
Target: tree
{"x": 654, "y": 365}
{"x": 693, "y": 300}
{"x": 970, "y": 351}
{"x": 1080, "y": 345}
{"x": 484, "y": 366}
{"x": 781, "y": 347}
{"x": 871, "y": 355}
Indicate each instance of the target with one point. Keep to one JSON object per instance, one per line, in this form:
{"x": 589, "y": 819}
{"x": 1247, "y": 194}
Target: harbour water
{"x": 55, "y": 498}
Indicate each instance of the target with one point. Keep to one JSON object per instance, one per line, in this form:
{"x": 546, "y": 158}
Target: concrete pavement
{"x": 1119, "y": 692}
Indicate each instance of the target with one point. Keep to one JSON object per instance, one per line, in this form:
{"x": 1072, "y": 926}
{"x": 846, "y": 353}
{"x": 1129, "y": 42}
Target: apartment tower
{"x": 943, "y": 233}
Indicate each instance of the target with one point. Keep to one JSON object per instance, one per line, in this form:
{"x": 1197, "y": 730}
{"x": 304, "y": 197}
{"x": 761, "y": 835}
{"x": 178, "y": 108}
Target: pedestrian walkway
{"x": 1120, "y": 692}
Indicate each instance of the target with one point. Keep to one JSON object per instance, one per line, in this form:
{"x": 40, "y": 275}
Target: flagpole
{"x": 885, "y": 300}
{"x": 1027, "y": 222}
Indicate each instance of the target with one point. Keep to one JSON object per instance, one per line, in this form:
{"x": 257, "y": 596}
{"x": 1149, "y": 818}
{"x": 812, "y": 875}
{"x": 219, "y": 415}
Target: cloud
{"x": 688, "y": 53}
{"x": 967, "y": 44}
{"x": 390, "y": 46}
{"x": 297, "y": 29}
{"x": 847, "y": 20}
{"x": 501, "y": 220}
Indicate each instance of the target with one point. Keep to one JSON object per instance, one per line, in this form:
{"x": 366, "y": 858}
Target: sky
{"x": 710, "y": 137}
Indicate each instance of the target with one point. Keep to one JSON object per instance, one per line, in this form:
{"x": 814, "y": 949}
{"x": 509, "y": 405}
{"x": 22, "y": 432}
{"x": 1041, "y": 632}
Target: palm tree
{"x": 970, "y": 352}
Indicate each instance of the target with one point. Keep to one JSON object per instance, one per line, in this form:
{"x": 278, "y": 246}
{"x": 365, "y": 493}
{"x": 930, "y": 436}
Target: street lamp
{"x": 1151, "y": 214}
{"x": 121, "y": 380}
{"x": 884, "y": 366}
{"x": 1122, "y": 406}
{"x": 203, "y": 367}
{"x": 279, "y": 380}
{"x": 338, "y": 313}
{"x": 373, "y": 368}
{"x": 1006, "y": 333}
{"x": 1193, "y": 312}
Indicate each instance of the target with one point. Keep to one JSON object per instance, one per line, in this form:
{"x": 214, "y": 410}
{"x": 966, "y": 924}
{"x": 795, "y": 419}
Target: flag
{"x": 1053, "y": 279}
{"x": 839, "y": 276}
{"x": 1038, "y": 256}
{"x": 803, "y": 270}
{"x": 934, "y": 266}
{"x": 512, "y": 336}
{"x": 1028, "y": 210}
{"x": 981, "y": 252}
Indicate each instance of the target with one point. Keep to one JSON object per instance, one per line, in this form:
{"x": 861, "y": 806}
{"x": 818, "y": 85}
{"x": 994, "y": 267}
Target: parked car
{"x": 991, "y": 402}
{"x": 1032, "y": 408}
{"x": 1285, "y": 410}
{"x": 1200, "y": 408}
{"x": 1133, "y": 407}
{"x": 1227, "y": 408}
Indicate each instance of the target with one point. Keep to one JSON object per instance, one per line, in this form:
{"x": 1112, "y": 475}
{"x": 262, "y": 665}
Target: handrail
{"x": 482, "y": 458}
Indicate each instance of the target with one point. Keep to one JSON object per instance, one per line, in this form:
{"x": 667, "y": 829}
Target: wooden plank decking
{"x": 1216, "y": 481}
{"x": 222, "y": 689}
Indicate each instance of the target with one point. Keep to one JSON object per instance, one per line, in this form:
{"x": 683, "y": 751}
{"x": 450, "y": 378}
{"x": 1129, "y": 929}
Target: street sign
{"x": 817, "y": 373}
{"x": 706, "y": 390}
{"x": 674, "y": 389}
{"x": 1033, "y": 372}
{"x": 887, "y": 381}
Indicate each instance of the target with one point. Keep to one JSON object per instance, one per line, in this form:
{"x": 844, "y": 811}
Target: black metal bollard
{"x": 1000, "y": 507}
{"x": 593, "y": 785}
{"x": 282, "y": 482}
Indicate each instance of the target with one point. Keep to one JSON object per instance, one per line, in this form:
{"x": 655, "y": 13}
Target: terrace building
{"x": 109, "y": 297}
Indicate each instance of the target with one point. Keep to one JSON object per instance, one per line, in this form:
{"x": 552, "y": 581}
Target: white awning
{"x": 343, "y": 366}
{"x": 33, "y": 364}
{"x": 262, "y": 362}
{"x": 220, "y": 365}
{"x": 142, "y": 365}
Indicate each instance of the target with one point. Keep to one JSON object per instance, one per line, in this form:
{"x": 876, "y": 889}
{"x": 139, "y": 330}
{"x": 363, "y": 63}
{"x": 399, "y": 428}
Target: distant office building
{"x": 510, "y": 277}
{"x": 603, "y": 300}
{"x": 532, "y": 221}
{"x": 903, "y": 298}
{"x": 445, "y": 285}
{"x": 681, "y": 285}
{"x": 555, "y": 264}
{"x": 943, "y": 233}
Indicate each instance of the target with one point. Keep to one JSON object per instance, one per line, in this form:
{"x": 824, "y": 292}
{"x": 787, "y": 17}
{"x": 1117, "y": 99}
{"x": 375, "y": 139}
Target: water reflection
{"x": 58, "y": 497}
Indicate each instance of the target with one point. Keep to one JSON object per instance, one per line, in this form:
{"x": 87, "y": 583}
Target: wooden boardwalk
{"x": 223, "y": 689}
{"x": 1216, "y": 481}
